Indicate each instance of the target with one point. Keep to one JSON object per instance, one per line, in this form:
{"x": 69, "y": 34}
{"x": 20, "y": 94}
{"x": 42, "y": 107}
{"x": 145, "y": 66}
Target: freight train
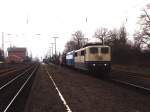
{"x": 95, "y": 58}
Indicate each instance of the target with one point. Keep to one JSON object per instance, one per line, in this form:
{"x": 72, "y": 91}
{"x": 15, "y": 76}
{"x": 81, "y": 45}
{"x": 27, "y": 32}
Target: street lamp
{"x": 55, "y": 44}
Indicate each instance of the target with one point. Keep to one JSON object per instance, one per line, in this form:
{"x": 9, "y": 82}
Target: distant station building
{"x": 16, "y": 54}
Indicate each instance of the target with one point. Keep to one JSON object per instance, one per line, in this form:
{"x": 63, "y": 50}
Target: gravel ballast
{"x": 83, "y": 93}
{"x": 43, "y": 96}
{"x": 86, "y": 93}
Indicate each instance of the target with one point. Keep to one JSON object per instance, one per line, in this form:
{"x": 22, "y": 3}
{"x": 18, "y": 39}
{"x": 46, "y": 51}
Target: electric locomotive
{"x": 95, "y": 58}
{"x": 70, "y": 59}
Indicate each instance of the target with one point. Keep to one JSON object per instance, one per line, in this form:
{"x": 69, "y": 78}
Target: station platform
{"x": 43, "y": 96}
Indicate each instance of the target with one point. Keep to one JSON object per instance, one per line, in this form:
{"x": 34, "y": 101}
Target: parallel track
{"x": 11, "y": 90}
{"x": 132, "y": 79}
{"x": 6, "y": 70}
{"x": 10, "y": 69}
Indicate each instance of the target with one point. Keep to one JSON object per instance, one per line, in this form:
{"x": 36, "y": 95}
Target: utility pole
{"x": 51, "y": 52}
{"x": 3, "y": 41}
{"x": 55, "y": 44}
{"x": 52, "y": 48}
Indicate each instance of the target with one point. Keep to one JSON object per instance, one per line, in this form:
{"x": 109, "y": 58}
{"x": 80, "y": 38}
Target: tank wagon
{"x": 95, "y": 58}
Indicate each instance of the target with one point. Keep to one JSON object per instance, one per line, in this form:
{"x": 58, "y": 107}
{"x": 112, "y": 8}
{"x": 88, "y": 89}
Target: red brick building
{"x": 16, "y": 54}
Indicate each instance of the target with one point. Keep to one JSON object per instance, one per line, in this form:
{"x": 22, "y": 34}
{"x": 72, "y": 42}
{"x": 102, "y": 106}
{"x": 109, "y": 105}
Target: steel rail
{"x": 5, "y": 85}
{"x": 6, "y": 70}
{"x": 133, "y": 74}
{"x": 9, "y": 69}
{"x": 11, "y": 102}
{"x": 15, "y": 70}
{"x": 131, "y": 84}
{"x": 130, "y": 75}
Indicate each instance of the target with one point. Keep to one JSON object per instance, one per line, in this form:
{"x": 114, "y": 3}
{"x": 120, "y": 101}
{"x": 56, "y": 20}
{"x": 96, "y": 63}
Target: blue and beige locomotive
{"x": 70, "y": 59}
{"x": 94, "y": 57}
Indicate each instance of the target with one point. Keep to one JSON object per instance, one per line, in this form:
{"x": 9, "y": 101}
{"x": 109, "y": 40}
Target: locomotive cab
{"x": 95, "y": 58}
{"x": 98, "y": 58}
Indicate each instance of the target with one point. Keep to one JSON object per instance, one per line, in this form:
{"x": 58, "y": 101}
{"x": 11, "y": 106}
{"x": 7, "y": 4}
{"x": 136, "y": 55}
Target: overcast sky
{"x": 22, "y": 20}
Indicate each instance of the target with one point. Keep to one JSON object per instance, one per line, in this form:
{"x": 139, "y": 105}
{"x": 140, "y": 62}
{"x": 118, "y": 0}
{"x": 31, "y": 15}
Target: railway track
{"x": 136, "y": 80}
{"x": 132, "y": 84}
{"x": 133, "y": 74}
{"x": 6, "y": 70}
{"x": 14, "y": 88}
{"x": 8, "y": 75}
{"x": 139, "y": 81}
{"x": 10, "y": 68}
{"x": 131, "y": 79}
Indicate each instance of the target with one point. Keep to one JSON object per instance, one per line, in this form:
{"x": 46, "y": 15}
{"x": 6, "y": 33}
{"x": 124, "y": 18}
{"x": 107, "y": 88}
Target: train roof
{"x": 71, "y": 52}
{"x": 89, "y": 46}
{"x": 92, "y": 44}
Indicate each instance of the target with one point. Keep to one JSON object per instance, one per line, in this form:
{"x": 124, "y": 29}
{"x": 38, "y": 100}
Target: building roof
{"x": 16, "y": 49}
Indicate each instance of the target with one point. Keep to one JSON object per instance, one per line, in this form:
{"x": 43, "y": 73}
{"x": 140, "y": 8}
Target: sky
{"x": 33, "y": 23}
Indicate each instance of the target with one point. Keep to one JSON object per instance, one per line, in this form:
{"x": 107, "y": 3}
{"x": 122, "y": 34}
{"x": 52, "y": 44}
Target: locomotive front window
{"x": 104, "y": 50}
{"x": 93, "y": 50}
{"x": 83, "y": 53}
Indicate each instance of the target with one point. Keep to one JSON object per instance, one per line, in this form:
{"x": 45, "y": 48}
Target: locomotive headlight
{"x": 93, "y": 64}
{"x": 105, "y": 64}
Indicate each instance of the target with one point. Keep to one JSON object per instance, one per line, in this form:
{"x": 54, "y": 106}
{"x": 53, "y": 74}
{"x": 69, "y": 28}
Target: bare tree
{"x": 138, "y": 40}
{"x": 113, "y": 38}
{"x": 143, "y": 37}
{"x": 78, "y": 38}
{"x": 77, "y": 41}
{"x": 70, "y": 45}
{"x": 116, "y": 37}
{"x": 102, "y": 34}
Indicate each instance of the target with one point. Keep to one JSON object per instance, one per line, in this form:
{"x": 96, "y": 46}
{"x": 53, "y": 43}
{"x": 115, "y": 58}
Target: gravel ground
{"x": 43, "y": 96}
{"x": 85, "y": 93}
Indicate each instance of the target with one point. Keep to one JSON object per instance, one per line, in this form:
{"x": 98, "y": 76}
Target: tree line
{"x": 124, "y": 51}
